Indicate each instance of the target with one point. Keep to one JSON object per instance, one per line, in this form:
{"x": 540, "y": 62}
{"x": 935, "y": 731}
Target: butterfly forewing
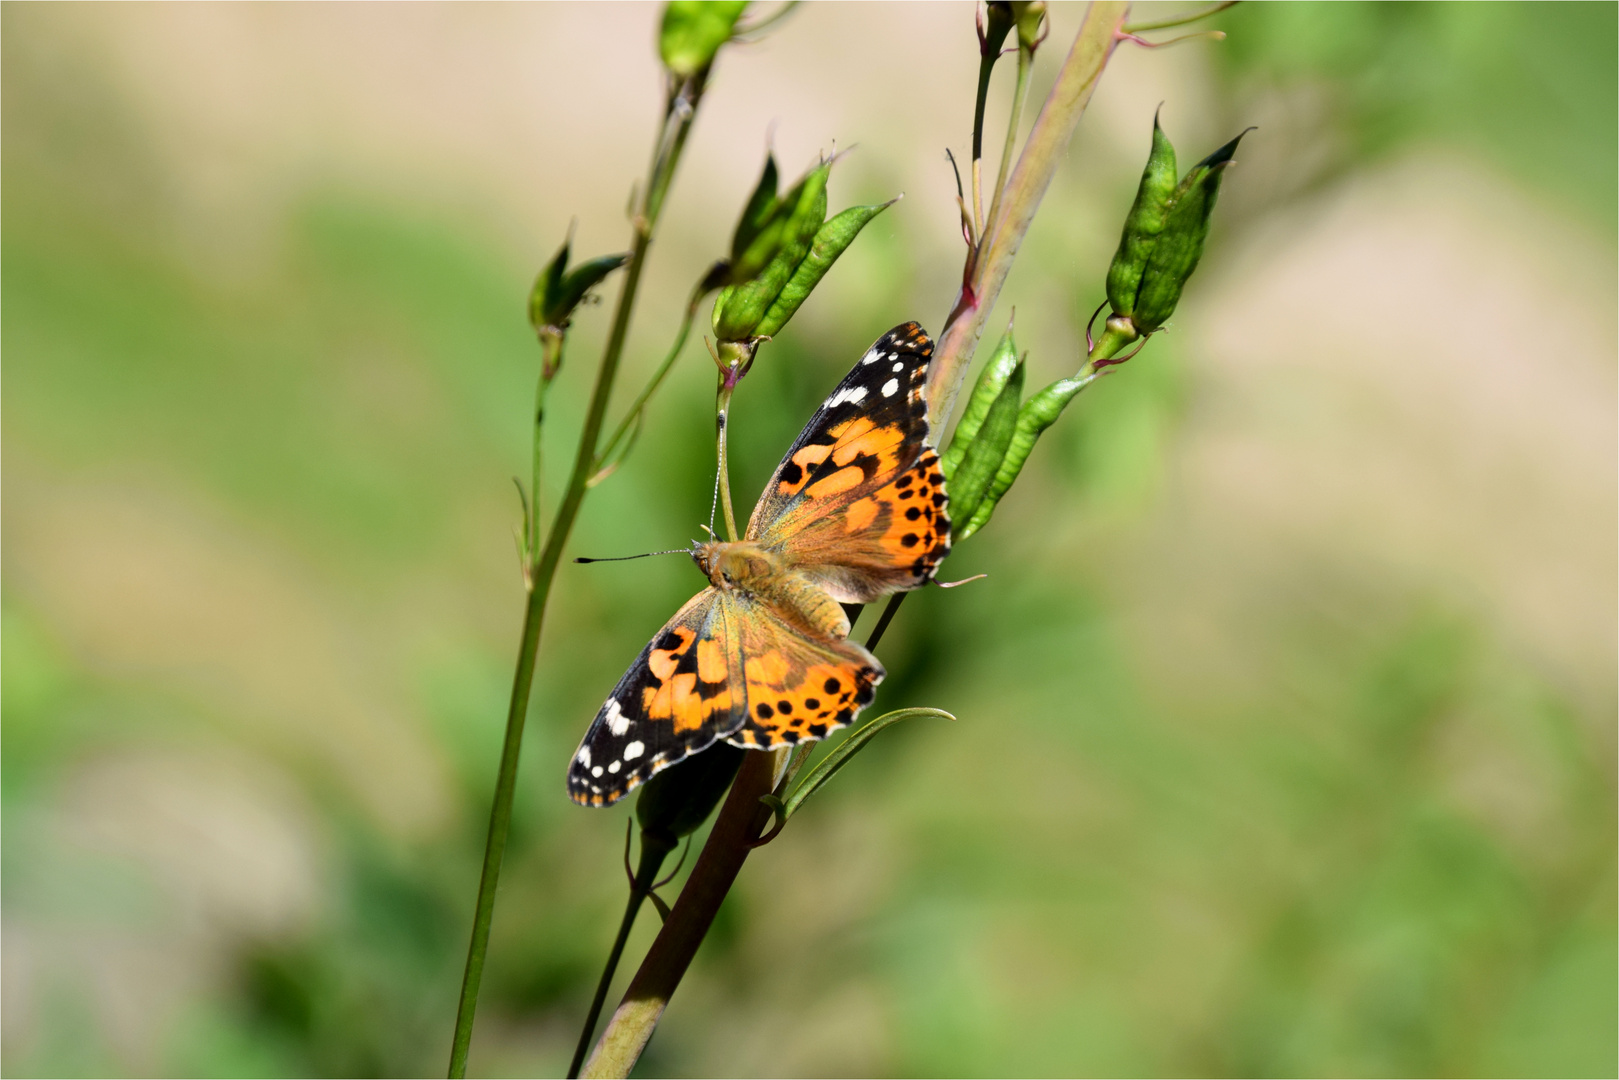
{"x": 684, "y": 691}
{"x": 858, "y": 502}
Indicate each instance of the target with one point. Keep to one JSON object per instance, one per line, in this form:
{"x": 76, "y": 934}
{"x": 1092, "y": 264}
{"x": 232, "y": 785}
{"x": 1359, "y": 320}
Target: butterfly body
{"x": 760, "y": 659}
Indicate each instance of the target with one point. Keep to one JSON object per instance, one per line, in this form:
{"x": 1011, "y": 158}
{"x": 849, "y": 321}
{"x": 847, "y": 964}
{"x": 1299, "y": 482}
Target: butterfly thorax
{"x": 749, "y": 568}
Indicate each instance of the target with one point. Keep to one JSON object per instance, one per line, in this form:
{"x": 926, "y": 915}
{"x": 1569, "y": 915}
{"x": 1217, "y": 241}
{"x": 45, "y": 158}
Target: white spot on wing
{"x": 871, "y": 356}
{"x": 584, "y": 756}
{"x": 597, "y": 771}
{"x": 899, "y": 365}
{"x": 614, "y": 767}
{"x": 854, "y": 395}
{"x": 634, "y": 750}
{"x": 617, "y": 722}
{"x": 888, "y": 391}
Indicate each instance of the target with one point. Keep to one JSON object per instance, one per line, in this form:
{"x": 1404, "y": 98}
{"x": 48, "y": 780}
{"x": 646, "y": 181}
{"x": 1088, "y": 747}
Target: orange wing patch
{"x": 918, "y": 534}
{"x": 688, "y": 685}
{"x": 792, "y": 703}
{"x": 799, "y": 688}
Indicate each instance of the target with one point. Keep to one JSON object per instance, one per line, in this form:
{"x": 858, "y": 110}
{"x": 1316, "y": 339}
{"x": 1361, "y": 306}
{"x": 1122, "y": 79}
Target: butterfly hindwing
{"x": 683, "y": 692}
{"x": 798, "y": 688}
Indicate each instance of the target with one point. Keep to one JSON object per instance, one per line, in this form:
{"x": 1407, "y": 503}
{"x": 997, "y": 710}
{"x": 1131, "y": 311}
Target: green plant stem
{"x": 986, "y": 66}
{"x": 631, "y": 417}
{"x": 551, "y": 343}
{"x": 1004, "y": 231}
{"x": 722, "y": 426}
{"x": 680, "y": 110}
{"x": 653, "y": 853}
{"x": 1025, "y": 61}
{"x": 741, "y": 820}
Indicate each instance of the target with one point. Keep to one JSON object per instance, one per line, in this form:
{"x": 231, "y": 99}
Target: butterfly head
{"x": 742, "y": 565}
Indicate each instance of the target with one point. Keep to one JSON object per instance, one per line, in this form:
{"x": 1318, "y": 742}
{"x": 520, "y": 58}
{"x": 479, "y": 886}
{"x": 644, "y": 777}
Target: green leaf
{"x": 844, "y": 752}
{"x": 831, "y": 240}
{"x": 1002, "y": 362}
{"x": 1037, "y": 414}
{"x": 693, "y": 31}
{"x": 978, "y": 466}
{"x": 1143, "y": 225}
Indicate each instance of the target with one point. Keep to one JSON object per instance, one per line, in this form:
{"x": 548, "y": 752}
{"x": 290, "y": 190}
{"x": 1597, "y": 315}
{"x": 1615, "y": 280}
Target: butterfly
{"x": 760, "y": 658}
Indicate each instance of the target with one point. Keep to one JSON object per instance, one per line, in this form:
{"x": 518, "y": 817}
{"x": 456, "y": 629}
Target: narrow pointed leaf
{"x": 844, "y": 752}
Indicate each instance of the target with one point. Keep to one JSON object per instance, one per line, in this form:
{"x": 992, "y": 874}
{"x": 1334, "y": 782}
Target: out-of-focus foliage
{"x": 1286, "y": 713}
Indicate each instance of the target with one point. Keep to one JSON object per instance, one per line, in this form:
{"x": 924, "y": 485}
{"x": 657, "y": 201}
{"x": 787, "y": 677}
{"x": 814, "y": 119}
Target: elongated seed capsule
{"x": 1002, "y": 362}
{"x": 1037, "y": 414}
{"x": 830, "y": 241}
{"x": 1143, "y": 224}
{"x": 983, "y": 458}
{"x": 741, "y": 307}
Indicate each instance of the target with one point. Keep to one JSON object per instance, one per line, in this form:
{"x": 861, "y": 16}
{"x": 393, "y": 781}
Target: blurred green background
{"x": 1287, "y": 711}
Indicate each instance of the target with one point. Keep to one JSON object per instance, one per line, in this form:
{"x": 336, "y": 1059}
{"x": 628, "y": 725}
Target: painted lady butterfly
{"x": 760, "y": 658}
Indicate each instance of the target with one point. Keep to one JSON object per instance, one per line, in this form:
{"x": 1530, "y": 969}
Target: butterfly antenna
{"x": 713, "y": 507}
{"x": 627, "y": 558}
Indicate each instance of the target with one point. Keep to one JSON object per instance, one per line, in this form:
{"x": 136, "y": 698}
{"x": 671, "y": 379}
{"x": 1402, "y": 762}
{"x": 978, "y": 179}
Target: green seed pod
{"x": 557, "y": 291}
{"x": 749, "y": 249}
{"x": 693, "y": 31}
{"x": 1143, "y": 225}
{"x": 679, "y": 799}
{"x": 1180, "y": 246}
{"x": 1002, "y": 363}
{"x": 1037, "y": 414}
{"x": 741, "y": 307}
{"x": 988, "y": 446}
{"x": 831, "y": 240}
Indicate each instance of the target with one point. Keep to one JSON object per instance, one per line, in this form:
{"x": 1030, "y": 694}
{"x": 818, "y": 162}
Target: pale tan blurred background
{"x": 1286, "y": 738}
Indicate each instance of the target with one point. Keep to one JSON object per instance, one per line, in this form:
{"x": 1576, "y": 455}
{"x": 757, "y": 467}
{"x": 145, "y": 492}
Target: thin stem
{"x": 889, "y": 611}
{"x": 986, "y": 65}
{"x": 1180, "y": 20}
{"x": 624, "y": 425}
{"x": 722, "y": 426}
{"x": 741, "y": 820}
{"x": 678, "y": 117}
{"x": 551, "y": 343}
{"x": 1025, "y": 61}
{"x": 653, "y": 854}
{"x": 1042, "y": 154}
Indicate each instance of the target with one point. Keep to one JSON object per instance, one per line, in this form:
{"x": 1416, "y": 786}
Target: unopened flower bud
{"x": 677, "y": 801}
{"x": 558, "y": 291}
